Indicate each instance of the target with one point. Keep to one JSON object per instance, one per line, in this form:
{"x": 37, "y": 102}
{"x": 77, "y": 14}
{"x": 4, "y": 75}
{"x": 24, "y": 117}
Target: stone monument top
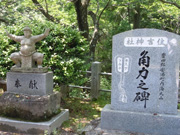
{"x": 145, "y": 71}
{"x": 27, "y": 56}
{"x": 145, "y": 82}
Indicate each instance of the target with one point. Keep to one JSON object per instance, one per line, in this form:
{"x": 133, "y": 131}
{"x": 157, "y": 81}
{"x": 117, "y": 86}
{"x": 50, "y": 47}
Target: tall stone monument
{"x": 145, "y": 81}
{"x": 30, "y": 93}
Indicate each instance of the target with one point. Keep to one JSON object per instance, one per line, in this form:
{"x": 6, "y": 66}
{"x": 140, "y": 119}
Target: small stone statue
{"x": 27, "y": 55}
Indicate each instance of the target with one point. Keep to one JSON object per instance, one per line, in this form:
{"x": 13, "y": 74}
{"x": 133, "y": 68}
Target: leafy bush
{"x": 65, "y": 50}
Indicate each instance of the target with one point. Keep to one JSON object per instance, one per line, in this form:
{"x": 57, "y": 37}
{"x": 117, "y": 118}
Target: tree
{"x": 98, "y": 20}
{"x": 96, "y": 35}
{"x": 81, "y": 7}
{"x": 82, "y": 12}
{"x": 137, "y": 16}
{"x": 43, "y": 11}
{"x": 65, "y": 50}
{"x": 171, "y": 3}
{"x": 7, "y": 10}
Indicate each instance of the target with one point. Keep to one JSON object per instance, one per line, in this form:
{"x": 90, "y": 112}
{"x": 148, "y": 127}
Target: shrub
{"x": 65, "y": 50}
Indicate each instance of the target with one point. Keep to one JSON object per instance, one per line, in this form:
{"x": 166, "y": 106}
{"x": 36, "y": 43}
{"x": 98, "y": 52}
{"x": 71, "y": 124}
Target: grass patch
{"x": 178, "y": 106}
{"x": 82, "y": 111}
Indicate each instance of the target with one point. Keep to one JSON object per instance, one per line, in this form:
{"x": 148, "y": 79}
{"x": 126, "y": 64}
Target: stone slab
{"x": 145, "y": 71}
{"x": 94, "y": 128}
{"x": 29, "y": 70}
{"x": 30, "y": 107}
{"x": 34, "y": 128}
{"x": 30, "y": 83}
{"x": 140, "y": 122}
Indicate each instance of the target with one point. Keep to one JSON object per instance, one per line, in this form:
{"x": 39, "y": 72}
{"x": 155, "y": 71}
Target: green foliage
{"x": 65, "y": 50}
{"x": 82, "y": 111}
{"x": 105, "y": 82}
{"x": 120, "y": 17}
{"x": 79, "y": 93}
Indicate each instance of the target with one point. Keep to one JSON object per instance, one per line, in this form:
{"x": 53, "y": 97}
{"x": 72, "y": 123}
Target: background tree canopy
{"x": 81, "y": 30}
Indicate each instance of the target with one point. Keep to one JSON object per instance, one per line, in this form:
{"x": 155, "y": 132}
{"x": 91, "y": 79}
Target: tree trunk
{"x": 81, "y": 11}
{"x": 137, "y": 17}
{"x": 94, "y": 41}
{"x": 96, "y": 35}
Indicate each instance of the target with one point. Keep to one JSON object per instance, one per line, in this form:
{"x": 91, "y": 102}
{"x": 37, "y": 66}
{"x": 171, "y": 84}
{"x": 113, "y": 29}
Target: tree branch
{"x": 103, "y": 10}
{"x": 72, "y": 0}
{"x": 3, "y": 20}
{"x": 46, "y": 6}
{"x": 97, "y": 7}
{"x": 41, "y": 9}
{"x": 96, "y": 35}
{"x": 172, "y": 3}
{"x": 93, "y": 16}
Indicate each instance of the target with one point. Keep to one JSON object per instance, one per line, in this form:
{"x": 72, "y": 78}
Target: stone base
{"x": 30, "y": 83}
{"x": 29, "y": 107}
{"x": 34, "y": 128}
{"x": 156, "y": 124}
{"x": 29, "y": 70}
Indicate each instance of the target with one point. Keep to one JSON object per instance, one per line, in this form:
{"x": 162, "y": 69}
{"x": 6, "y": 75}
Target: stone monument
{"x": 145, "y": 81}
{"x": 30, "y": 93}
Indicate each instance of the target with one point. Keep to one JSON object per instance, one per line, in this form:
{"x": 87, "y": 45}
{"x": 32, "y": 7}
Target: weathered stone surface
{"x": 27, "y": 55}
{"x": 93, "y": 128}
{"x": 145, "y": 81}
{"x": 27, "y": 62}
{"x": 30, "y": 83}
{"x": 29, "y": 107}
{"x": 33, "y": 128}
{"x": 145, "y": 71}
{"x": 140, "y": 122}
{"x": 29, "y": 70}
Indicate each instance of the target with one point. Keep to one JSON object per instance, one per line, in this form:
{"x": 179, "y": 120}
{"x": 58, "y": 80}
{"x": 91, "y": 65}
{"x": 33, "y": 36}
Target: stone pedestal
{"x": 140, "y": 122}
{"x": 30, "y": 97}
{"x": 30, "y": 83}
{"x": 30, "y": 107}
{"x": 34, "y": 128}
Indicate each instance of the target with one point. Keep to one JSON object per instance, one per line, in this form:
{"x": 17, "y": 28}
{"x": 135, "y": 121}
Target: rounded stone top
{"x": 27, "y": 29}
